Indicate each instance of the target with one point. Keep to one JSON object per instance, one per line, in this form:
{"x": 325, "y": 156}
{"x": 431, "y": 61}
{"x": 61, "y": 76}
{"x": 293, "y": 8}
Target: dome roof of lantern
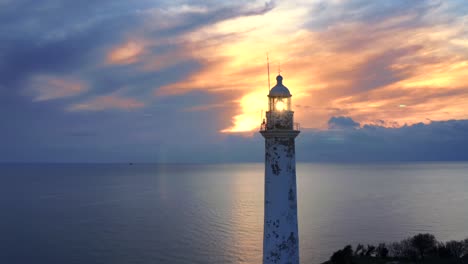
{"x": 279, "y": 90}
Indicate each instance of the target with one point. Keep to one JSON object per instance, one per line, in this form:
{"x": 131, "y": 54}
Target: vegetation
{"x": 421, "y": 249}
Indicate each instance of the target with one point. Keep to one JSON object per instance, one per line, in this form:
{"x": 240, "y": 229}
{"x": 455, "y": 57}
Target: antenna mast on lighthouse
{"x": 268, "y": 69}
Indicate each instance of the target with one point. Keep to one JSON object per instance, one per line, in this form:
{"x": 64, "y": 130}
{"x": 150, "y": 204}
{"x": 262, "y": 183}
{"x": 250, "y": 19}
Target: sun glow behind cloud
{"x": 239, "y": 63}
{"x": 202, "y": 65}
{"x": 334, "y": 63}
{"x": 360, "y": 69}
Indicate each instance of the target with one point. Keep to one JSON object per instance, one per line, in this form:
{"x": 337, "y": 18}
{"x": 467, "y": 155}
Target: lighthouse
{"x": 280, "y": 230}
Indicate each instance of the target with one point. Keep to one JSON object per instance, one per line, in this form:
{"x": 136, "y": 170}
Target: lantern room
{"x": 279, "y": 97}
{"x": 279, "y": 115}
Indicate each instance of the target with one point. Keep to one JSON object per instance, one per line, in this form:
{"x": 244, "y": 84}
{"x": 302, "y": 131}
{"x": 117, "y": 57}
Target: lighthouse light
{"x": 280, "y": 105}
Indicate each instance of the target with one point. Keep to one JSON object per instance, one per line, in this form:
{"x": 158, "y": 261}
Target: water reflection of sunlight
{"x": 247, "y": 212}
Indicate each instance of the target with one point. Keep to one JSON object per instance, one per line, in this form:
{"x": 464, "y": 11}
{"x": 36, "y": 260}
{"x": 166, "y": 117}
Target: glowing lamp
{"x": 280, "y": 105}
{"x": 279, "y": 97}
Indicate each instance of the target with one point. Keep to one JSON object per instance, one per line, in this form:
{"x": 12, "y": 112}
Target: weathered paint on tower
{"x": 280, "y": 233}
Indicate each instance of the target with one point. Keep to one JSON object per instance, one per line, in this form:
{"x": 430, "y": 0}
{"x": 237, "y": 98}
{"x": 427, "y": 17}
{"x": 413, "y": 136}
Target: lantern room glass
{"x": 279, "y": 104}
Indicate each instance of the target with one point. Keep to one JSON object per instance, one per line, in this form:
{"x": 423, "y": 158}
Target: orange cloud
{"x": 52, "y": 87}
{"x": 127, "y": 53}
{"x": 105, "y": 102}
{"x": 358, "y": 69}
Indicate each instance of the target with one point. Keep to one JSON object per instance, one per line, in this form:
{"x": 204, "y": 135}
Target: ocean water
{"x": 146, "y": 213}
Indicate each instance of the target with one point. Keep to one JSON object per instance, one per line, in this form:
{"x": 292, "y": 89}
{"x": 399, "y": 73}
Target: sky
{"x": 186, "y": 81}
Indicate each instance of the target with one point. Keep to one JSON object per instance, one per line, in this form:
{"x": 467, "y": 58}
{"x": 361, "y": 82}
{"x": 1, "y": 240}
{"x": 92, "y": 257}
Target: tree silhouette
{"x": 465, "y": 248}
{"x": 455, "y": 248}
{"x": 421, "y": 248}
{"x": 343, "y": 256}
{"x": 359, "y": 250}
{"x": 424, "y": 243}
{"x": 382, "y": 251}
{"x": 370, "y": 250}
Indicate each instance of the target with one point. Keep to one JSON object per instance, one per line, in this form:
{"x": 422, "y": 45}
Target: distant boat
{"x": 131, "y": 163}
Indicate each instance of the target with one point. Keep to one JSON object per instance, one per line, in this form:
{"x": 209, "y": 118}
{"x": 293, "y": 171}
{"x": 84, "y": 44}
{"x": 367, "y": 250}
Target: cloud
{"x": 202, "y": 63}
{"x": 126, "y": 54}
{"x": 434, "y": 141}
{"x": 107, "y": 102}
{"x": 342, "y": 122}
{"x": 52, "y": 87}
{"x": 326, "y": 13}
{"x": 206, "y": 107}
{"x": 361, "y": 66}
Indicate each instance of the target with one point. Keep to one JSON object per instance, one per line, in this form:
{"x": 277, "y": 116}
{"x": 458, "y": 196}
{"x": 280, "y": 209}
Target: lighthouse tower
{"x": 280, "y": 231}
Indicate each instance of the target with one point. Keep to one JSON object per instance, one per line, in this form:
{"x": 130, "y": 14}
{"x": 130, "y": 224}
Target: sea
{"x": 211, "y": 214}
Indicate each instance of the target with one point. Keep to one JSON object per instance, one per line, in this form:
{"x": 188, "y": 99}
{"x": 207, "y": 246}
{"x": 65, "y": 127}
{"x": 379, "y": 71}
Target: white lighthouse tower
{"x": 280, "y": 231}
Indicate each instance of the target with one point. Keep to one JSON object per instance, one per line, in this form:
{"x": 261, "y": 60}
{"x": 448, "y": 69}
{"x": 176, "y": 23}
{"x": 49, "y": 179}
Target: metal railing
{"x": 296, "y": 126}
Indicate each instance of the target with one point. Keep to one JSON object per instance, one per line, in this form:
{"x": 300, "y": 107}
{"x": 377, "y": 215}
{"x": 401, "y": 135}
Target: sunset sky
{"x": 186, "y": 81}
